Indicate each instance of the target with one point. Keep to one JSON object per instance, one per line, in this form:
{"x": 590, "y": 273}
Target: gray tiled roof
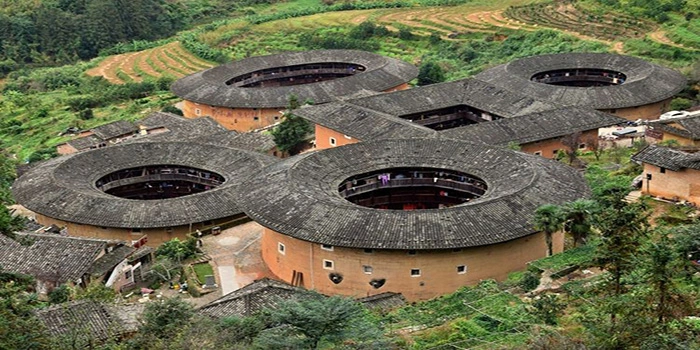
{"x": 64, "y": 187}
{"x": 51, "y": 257}
{"x": 689, "y": 126}
{"x": 85, "y": 142}
{"x": 204, "y": 130}
{"x": 535, "y": 127}
{"x": 646, "y": 82}
{"x": 209, "y": 86}
{"x": 114, "y": 129}
{"x": 384, "y": 301}
{"x": 93, "y": 320}
{"x": 299, "y": 196}
{"x": 378, "y": 116}
{"x": 668, "y": 158}
{"x": 267, "y": 293}
{"x": 108, "y": 261}
{"x": 261, "y": 294}
{"x": 524, "y": 119}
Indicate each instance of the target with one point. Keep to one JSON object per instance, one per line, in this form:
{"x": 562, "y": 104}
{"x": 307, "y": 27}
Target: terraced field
{"x": 170, "y": 60}
{"x": 569, "y": 17}
{"x": 448, "y": 23}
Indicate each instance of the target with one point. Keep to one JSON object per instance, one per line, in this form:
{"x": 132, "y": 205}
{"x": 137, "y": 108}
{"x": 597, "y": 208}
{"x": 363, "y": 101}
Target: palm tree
{"x": 549, "y": 219}
{"x": 577, "y": 216}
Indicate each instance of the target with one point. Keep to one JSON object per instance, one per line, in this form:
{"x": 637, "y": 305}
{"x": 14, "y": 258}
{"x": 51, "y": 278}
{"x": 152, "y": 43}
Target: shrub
{"x": 530, "y": 281}
{"x": 680, "y": 103}
{"x": 58, "y": 295}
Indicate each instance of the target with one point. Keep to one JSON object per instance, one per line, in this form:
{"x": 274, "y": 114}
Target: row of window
{"x": 198, "y": 112}
{"x": 330, "y": 265}
{"x": 328, "y": 247}
{"x": 367, "y": 269}
{"x": 554, "y": 152}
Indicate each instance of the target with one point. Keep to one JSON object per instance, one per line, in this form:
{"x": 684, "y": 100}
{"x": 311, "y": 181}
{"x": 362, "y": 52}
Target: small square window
{"x": 581, "y": 145}
{"x": 367, "y": 269}
{"x": 415, "y": 272}
{"x": 327, "y": 247}
{"x": 128, "y": 274}
{"x": 462, "y": 269}
{"x": 135, "y": 230}
{"x": 538, "y": 153}
{"x": 256, "y": 118}
{"x": 368, "y": 251}
{"x": 328, "y": 264}
{"x": 412, "y": 252}
{"x": 555, "y": 152}
{"x": 456, "y": 250}
{"x": 332, "y": 141}
{"x": 197, "y": 111}
{"x": 277, "y": 117}
{"x": 662, "y": 170}
{"x": 280, "y": 247}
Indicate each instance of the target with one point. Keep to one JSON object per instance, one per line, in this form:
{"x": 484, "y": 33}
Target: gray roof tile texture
{"x": 299, "y": 196}
{"x": 114, "y": 129}
{"x": 261, "y": 294}
{"x": 208, "y": 87}
{"x": 534, "y": 127}
{"x": 64, "y": 187}
{"x": 524, "y": 119}
{"x": 688, "y": 127}
{"x": 97, "y": 320}
{"x": 646, "y": 83}
{"x": 50, "y": 257}
{"x": 668, "y": 158}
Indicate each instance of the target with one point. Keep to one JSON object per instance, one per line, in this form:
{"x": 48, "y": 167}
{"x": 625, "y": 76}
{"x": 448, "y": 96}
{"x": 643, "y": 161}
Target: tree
{"x": 177, "y": 250}
{"x": 19, "y": 328}
{"x": 292, "y": 131}
{"x": 548, "y": 308}
{"x": 430, "y": 73}
{"x": 595, "y": 146}
{"x": 548, "y": 219}
{"x": 572, "y": 142}
{"x": 309, "y": 322}
{"x": 660, "y": 268}
{"x": 621, "y": 225}
{"x": 9, "y": 224}
{"x": 578, "y": 215}
{"x": 163, "y": 319}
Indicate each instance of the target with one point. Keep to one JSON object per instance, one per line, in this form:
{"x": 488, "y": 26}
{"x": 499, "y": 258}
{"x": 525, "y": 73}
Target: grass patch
{"x": 202, "y": 270}
{"x": 581, "y": 256}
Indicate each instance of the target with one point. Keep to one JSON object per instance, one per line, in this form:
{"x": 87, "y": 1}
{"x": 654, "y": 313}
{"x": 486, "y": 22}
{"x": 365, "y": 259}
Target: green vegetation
{"x": 640, "y": 300}
{"x": 177, "y": 250}
{"x": 291, "y": 133}
{"x": 202, "y": 270}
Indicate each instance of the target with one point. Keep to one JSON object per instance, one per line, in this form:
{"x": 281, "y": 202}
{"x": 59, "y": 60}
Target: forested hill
{"x": 47, "y": 32}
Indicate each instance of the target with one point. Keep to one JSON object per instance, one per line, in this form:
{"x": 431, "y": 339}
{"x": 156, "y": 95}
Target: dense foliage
{"x": 67, "y": 30}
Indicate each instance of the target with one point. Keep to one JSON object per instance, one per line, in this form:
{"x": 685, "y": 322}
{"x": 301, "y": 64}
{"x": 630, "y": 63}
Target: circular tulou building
{"x": 148, "y": 192}
{"x": 250, "y": 93}
{"x": 622, "y": 85}
{"x": 421, "y": 217}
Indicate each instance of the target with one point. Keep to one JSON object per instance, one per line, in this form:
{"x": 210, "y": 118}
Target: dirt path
{"x": 660, "y": 37}
{"x": 619, "y": 47}
{"x": 107, "y": 69}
